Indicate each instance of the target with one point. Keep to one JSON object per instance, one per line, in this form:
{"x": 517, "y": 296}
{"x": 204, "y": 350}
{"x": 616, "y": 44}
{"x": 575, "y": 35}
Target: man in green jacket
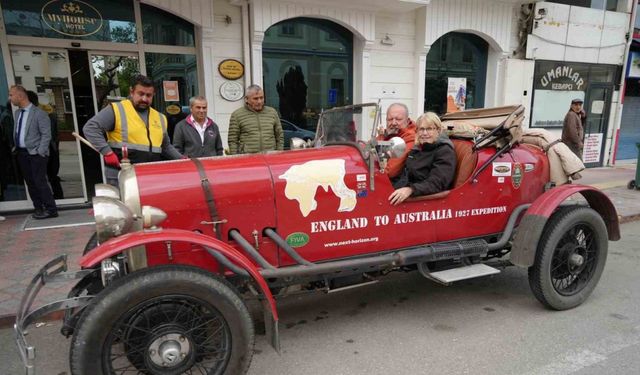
{"x": 254, "y": 127}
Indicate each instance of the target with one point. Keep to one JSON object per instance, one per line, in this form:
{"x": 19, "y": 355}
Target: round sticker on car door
{"x": 516, "y": 177}
{"x": 297, "y": 239}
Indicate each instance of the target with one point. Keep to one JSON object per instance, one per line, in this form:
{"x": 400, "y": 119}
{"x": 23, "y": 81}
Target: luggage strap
{"x": 208, "y": 194}
{"x": 546, "y": 149}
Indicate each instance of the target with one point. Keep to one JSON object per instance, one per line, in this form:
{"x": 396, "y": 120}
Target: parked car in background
{"x": 293, "y": 131}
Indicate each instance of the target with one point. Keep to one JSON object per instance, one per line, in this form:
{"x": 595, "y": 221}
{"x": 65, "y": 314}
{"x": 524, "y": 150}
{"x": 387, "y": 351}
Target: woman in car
{"x": 431, "y": 164}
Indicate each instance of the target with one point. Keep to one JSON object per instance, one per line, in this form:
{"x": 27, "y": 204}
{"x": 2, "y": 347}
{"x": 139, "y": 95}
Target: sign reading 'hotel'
{"x": 71, "y": 17}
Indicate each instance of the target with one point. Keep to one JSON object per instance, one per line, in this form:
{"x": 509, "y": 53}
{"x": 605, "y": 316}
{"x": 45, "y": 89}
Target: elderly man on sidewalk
{"x": 198, "y": 135}
{"x": 255, "y": 127}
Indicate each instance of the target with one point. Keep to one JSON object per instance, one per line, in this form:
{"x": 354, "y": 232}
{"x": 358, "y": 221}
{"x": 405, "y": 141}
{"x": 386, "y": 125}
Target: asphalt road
{"x": 408, "y": 325}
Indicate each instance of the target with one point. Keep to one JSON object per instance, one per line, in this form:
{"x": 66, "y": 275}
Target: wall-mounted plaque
{"x": 173, "y": 109}
{"x": 231, "y": 91}
{"x": 231, "y": 69}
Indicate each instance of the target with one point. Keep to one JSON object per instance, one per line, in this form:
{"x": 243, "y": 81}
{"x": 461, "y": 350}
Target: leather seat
{"x": 466, "y": 161}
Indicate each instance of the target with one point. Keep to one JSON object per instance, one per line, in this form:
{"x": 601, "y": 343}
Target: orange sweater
{"x": 408, "y": 134}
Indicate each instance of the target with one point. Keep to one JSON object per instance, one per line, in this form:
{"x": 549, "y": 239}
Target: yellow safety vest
{"x": 130, "y": 129}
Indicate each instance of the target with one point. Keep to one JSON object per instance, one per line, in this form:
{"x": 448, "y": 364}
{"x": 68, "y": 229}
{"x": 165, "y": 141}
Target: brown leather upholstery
{"x": 466, "y": 161}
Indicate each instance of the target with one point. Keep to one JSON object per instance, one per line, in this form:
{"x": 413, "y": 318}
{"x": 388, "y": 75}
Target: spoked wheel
{"x": 164, "y": 320}
{"x": 570, "y": 258}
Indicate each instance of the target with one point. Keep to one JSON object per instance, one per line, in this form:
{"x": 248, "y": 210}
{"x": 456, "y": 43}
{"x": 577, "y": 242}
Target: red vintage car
{"x": 184, "y": 244}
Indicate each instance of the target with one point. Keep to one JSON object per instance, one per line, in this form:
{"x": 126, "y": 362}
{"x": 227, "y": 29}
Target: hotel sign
{"x": 71, "y": 17}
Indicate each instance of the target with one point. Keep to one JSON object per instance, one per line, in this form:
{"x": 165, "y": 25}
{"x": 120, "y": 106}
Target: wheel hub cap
{"x": 169, "y": 350}
{"x": 576, "y": 260}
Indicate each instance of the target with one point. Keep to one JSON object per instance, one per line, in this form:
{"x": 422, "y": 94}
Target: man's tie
{"x": 19, "y": 128}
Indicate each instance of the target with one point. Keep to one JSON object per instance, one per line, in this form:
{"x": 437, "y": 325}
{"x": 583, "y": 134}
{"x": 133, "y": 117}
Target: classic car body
{"x": 182, "y": 241}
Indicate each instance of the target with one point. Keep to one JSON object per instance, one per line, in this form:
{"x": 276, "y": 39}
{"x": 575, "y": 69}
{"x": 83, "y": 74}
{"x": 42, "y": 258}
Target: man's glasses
{"x": 428, "y": 129}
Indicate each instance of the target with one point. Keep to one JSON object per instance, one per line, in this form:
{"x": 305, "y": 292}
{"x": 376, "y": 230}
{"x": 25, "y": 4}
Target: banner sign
{"x": 456, "y": 94}
{"x": 592, "y": 147}
{"x": 170, "y": 90}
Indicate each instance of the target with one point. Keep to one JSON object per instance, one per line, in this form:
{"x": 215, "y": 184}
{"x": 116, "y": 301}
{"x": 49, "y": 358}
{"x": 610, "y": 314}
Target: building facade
{"x": 78, "y": 56}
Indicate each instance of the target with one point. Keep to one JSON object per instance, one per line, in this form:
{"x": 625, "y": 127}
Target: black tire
{"x": 91, "y": 244}
{"x": 570, "y": 258}
{"x": 164, "y": 307}
{"x": 631, "y": 185}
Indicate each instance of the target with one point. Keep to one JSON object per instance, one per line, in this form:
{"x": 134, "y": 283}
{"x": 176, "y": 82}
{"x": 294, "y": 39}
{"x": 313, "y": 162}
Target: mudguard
{"x": 525, "y": 243}
{"x": 119, "y": 244}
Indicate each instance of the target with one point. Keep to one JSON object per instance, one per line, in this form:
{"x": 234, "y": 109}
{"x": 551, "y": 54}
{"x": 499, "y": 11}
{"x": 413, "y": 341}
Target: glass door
{"x": 111, "y": 75}
{"x": 597, "y": 108}
{"x": 105, "y": 79}
{"x": 47, "y": 75}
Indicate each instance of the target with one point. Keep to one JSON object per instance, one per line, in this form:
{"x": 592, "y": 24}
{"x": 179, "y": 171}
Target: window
{"x": 611, "y": 5}
{"x": 172, "y": 67}
{"x": 102, "y": 20}
{"x": 290, "y": 30}
{"x": 159, "y": 27}
{"x": 456, "y": 55}
{"x": 302, "y": 76}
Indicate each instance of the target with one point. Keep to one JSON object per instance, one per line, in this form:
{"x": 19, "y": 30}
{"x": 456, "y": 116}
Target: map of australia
{"x": 303, "y": 181}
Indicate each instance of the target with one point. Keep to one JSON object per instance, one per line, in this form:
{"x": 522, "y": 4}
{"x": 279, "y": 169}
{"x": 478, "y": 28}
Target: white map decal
{"x": 303, "y": 181}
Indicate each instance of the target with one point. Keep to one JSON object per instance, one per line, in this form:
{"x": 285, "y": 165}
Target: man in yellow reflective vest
{"x": 131, "y": 124}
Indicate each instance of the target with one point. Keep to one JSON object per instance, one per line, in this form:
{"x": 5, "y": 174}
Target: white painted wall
{"x": 222, "y": 41}
{"x": 392, "y": 77}
{"x": 571, "y": 33}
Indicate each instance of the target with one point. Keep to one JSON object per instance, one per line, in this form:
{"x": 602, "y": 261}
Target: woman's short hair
{"x": 430, "y": 118}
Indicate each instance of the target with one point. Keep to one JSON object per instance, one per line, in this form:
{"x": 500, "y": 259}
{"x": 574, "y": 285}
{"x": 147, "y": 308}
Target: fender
{"x": 117, "y": 245}
{"x": 525, "y": 242}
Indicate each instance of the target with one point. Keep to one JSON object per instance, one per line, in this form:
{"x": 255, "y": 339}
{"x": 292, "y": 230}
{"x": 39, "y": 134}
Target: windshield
{"x": 347, "y": 124}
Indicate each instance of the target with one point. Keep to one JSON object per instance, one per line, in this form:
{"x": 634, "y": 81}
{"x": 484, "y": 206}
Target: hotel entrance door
{"x": 47, "y": 75}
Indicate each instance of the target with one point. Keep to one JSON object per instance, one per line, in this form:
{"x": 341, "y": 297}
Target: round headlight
{"x": 112, "y": 217}
{"x": 104, "y": 190}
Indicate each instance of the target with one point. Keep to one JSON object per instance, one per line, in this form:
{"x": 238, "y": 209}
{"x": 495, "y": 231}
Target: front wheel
{"x": 164, "y": 320}
{"x": 570, "y": 258}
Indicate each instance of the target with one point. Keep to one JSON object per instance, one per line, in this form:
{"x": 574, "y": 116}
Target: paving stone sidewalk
{"x": 22, "y": 253}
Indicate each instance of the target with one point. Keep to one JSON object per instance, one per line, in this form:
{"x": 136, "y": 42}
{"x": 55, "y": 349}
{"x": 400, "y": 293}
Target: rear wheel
{"x": 570, "y": 258}
{"x": 164, "y": 320}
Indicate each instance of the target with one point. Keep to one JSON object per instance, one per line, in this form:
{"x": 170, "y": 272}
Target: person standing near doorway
{"x": 572, "y": 128}
{"x": 32, "y": 135}
{"x": 53, "y": 165}
{"x": 131, "y": 124}
{"x": 255, "y": 127}
{"x": 197, "y": 135}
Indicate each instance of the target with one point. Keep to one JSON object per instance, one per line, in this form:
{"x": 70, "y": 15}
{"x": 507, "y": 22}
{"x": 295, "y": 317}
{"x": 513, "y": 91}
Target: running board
{"x": 447, "y": 277}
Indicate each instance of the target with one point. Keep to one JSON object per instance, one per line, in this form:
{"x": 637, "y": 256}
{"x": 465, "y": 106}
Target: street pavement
{"x": 408, "y": 325}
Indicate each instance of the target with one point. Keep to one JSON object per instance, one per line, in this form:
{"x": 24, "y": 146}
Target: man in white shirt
{"x": 197, "y": 135}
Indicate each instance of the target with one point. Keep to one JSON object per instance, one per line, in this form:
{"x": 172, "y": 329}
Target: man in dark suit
{"x": 32, "y": 134}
